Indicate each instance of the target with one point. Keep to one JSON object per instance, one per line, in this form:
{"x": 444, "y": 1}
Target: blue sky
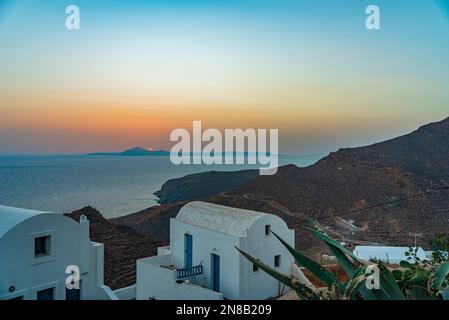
{"x": 138, "y": 69}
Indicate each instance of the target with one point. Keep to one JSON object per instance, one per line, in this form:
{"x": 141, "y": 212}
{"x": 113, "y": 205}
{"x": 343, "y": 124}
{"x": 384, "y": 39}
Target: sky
{"x": 136, "y": 70}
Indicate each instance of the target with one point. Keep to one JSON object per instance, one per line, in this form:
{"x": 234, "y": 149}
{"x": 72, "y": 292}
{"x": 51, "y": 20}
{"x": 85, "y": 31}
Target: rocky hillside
{"x": 154, "y": 221}
{"x": 122, "y": 247}
{"x": 195, "y": 186}
{"x": 379, "y": 193}
{"x": 374, "y": 194}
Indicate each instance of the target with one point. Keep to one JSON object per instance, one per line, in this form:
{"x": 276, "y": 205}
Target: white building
{"x": 35, "y": 250}
{"x": 202, "y": 261}
{"x": 393, "y": 255}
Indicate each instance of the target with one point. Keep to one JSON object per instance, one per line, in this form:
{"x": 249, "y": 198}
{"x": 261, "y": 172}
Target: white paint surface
{"x": 24, "y": 274}
{"x": 386, "y": 254}
{"x": 219, "y": 230}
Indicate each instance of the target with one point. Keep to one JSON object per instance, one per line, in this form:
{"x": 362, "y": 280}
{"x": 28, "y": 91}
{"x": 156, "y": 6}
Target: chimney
{"x": 84, "y": 223}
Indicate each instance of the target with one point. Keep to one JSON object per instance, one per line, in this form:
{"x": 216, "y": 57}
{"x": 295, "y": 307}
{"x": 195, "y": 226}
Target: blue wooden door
{"x": 215, "y": 272}
{"x": 188, "y": 247}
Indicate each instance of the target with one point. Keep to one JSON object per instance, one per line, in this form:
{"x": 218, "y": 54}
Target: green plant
{"x": 418, "y": 280}
{"x": 440, "y": 245}
{"x": 377, "y": 260}
{"x": 412, "y": 255}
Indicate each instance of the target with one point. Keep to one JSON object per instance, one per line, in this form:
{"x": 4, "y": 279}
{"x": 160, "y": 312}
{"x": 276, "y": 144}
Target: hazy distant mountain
{"x": 133, "y": 152}
{"x": 139, "y": 151}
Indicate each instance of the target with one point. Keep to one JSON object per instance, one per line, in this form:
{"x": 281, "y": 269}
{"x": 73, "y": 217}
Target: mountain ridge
{"x": 372, "y": 194}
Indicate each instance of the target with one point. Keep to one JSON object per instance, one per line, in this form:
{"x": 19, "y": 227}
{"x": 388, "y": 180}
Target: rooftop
{"x": 11, "y": 217}
{"x": 392, "y": 254}
{"x": 227, "y": 220}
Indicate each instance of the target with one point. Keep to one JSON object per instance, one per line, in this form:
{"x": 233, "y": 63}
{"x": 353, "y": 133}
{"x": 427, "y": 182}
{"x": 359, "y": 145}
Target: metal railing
{"x": 189, "y": 272}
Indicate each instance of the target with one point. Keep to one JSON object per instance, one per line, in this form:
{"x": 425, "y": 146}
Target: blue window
{"x": 215, "y": 266}
{"x": 188, "y": 248}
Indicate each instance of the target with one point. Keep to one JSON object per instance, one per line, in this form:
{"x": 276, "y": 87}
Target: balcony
{"x": 157, "y": 279}
{"x": 189, "y": 272}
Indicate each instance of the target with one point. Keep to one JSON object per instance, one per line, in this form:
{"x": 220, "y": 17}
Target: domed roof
{"x": 227, "y": 220}
{"x": 11, "y": 217}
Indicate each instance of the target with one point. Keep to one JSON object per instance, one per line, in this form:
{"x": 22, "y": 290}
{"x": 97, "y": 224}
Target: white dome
{"x": 11, "y": 217}
{"x": 227, "y": 220}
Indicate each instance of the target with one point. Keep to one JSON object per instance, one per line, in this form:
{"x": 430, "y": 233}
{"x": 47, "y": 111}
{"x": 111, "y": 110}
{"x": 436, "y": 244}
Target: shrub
{"x": 420, "y": 280}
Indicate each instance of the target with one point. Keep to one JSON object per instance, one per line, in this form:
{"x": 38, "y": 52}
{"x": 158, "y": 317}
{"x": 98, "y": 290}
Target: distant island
{"x": 139, "y": 151}
{"x": 133, "y": 152}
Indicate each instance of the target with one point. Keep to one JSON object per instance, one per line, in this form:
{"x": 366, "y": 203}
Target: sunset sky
{"x": 139, "y": 69}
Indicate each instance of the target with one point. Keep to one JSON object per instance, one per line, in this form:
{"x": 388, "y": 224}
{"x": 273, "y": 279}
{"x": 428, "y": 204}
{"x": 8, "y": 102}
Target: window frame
{"x": 277, "y": 261}
{"x": 267, "y": 229}
{"x": 44, "y": 245}
{"x": 51, "y": 248}
{"x": 255, "y": 267}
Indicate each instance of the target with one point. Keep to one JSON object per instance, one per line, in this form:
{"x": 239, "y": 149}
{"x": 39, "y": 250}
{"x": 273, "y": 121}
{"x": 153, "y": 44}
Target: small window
{"x": 267, "y": 230}
{"x": 255, "y": 268}
{"x": 277, "y": 261}
{"x": 42, "y": 246}
{"x": 47, "y": 294}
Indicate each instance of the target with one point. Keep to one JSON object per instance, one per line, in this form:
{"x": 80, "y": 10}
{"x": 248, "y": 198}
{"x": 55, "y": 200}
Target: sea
{"x": 114, "y": 185}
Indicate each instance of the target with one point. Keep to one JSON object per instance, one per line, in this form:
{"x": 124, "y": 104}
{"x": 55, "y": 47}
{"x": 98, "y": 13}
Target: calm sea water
{"x": 116, "y": 186}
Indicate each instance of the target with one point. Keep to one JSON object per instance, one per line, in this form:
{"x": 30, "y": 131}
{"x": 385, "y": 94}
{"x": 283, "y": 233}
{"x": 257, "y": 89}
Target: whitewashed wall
{"x": 206, "y": 243}
{"x": 238, "y": 281}
{"x": 155, "y": 282}
{"x": 258, "y": 285}
{"x": 70, "y": 246}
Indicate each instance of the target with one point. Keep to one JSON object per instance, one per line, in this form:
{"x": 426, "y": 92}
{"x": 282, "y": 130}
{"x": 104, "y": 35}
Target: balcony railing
{"x": 189, "y": 272}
